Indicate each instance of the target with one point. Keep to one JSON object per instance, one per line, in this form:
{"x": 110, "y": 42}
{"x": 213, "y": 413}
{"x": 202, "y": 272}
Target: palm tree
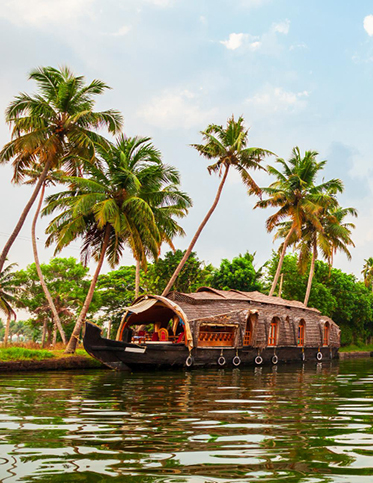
{"x": 160, "y": 189}
{"x": 54, "y": 128}
{"x": 368, "y": 272}
{"x": 334, "y": 235}
{"x": 229, "y": 147}
{"x": 8, "y": 296}
{"x": 54, "y": 176}
{"x": 297, "y": 198}
{"x": 106, "y": 211}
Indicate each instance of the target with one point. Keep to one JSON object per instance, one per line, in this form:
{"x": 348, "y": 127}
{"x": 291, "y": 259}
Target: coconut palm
{"x": 106, "y": 211}
{"x": 297, "y": 198}
{"x": 228, "y": 145}
{"x": 160, "y": 189}
{"x": 334, "y": 235}
{"x": 8, "y": 296}
{"x": 31, "y": 176}
{"x": 368, "y": 272}
{"x": 53, "y": 128}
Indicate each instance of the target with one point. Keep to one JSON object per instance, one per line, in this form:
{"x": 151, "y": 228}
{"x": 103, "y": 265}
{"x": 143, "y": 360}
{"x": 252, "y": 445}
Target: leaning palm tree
{"x": 53, "y": 128}
{"x": 8, "y": 296}
{"x": 229, "y": 147}
{"x": 297, "y": 198}
{"x": 333, "y": 235}
{"x": 31, "y": 176}
{"x": 106, "y": 211}
{"x": 368, "y": 272}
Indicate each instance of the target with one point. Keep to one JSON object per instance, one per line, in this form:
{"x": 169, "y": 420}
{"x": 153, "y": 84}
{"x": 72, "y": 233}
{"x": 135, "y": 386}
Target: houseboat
{"x": 214, "y": 328}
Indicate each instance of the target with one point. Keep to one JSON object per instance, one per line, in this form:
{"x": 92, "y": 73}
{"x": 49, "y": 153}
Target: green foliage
{"x": 116, "y": 291}
{"x": 239, "y": 274}
{"x": 57, "y": 124}
{"x": 68, "y": 285}
{"x": 335, "y": 293}
{"x": 21, "y": 354}
{"x": 193, "y": 275}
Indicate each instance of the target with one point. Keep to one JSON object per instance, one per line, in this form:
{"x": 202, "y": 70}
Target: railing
{"x": 209, "y": 338}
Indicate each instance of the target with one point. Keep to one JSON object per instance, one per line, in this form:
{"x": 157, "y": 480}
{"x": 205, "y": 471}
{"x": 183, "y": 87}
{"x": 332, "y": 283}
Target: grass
{"x": 23, "y": 354}
{"x": 357, "y": 348}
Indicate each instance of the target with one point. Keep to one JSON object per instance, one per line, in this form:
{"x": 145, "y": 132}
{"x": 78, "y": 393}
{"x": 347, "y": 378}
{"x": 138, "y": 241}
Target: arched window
{"x": 326, "y": 333}
{"x": 249, "y": 329}
{"x": 301, "y": 332}
{"x": 273, "y": 332}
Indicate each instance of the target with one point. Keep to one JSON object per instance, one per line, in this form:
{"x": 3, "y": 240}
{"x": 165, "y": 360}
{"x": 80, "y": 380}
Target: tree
{"x": 67, "y": 284}
{"x": 239, "y": 274}
{"x": 116, "y": 291}
{"x": 107, "y": 212}
{"x": 51, "y": 178}
{"x": 8, "y": 296}
{"x": 297, "y": 197}
{"x": 54, "y": 128}
{"x": 330, "y": 236}
{"x": 335, "y": 293}
{"x": 334, "y": 236}
{"x": 229, "y": 147}
{"x": 159, "y": 186}
{"x": 368, "y": 272}
{"x": 193, "y": 275}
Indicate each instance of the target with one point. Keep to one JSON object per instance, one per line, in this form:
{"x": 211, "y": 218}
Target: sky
{"x": 301, "y": 74}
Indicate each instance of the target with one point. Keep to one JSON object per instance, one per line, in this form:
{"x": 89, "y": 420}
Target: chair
{"x": 163, "y": 335}
{"x": 155, "y": 337}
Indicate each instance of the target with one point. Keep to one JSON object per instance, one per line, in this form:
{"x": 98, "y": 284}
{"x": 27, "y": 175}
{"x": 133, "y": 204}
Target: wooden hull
{"x": 124, "y": 356}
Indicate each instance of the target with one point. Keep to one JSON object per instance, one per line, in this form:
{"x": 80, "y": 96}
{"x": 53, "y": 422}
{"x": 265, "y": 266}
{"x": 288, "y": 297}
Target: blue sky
{"x": 301, "y": 73}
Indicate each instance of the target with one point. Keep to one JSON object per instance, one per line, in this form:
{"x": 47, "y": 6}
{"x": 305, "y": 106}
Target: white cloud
{"x": 43, "y": 12}
{"x": 236, "y": 41}
{"x": 174, "y": 110}
{"x": 267, "y": 42}
{"x": 282, "y": 27}
{"x": 122, "y": 31}
{"x": 274, "y": 99}
{"x": 368, "y": 25}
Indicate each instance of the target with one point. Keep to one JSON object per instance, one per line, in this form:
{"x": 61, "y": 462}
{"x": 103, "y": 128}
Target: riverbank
{"x": 15, "y": 359}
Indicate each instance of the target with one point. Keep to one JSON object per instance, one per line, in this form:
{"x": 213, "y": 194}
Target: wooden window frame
{"x": 273, "y": 333}
{"x": 301, "y": 333}
{"x": 326, "y": 334}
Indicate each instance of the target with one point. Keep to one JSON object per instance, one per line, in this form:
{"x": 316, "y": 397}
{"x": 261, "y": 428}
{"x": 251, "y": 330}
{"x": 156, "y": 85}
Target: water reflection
{"x": 304, "y": 424}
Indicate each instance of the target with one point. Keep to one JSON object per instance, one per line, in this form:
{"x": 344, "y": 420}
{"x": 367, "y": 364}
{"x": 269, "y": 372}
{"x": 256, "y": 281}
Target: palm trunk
{"x": 137, "y": 279}
{"x": 108, "y": 329}
{"x": 54, "y": 339}
{"x": 48, "y": 296}
{"x": 195, "y": 238}
{"x": 310, "y": 276}
{"x": 24, "y": 214}
{"x": 7, "y": 328}
{"x": 73, "y": 342}
{"x": 282, "y": 256}
{"x": 44, "y": 333}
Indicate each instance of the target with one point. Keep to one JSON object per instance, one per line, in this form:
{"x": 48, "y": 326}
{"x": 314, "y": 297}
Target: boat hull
{"x": 123, "y": 356}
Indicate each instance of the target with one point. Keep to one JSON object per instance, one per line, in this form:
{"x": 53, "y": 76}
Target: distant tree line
{"x": 339, "y": 295}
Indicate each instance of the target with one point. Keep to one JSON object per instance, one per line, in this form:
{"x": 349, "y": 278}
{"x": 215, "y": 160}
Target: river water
{"x": 308, "y": 424}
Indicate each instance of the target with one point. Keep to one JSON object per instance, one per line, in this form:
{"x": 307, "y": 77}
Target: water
{"x": 283, "y": 424}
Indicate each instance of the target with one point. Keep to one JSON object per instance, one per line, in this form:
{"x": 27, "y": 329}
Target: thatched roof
{"x": 208, "y": 293}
